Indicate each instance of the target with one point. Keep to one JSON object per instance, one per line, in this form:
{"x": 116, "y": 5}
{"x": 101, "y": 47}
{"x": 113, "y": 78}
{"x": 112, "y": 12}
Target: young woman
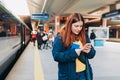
{"x": 73, "y": 60}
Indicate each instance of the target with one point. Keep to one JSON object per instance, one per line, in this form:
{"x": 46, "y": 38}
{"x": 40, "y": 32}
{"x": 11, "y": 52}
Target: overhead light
{"x": 109, "y": 26}
{"x": 118, "y": 25}
{"x": 96, "y": 13}
{"x": 94, "y": 20}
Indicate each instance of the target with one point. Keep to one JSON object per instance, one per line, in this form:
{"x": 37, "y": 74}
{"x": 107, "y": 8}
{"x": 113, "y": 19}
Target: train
{"x": 14, "y": 37}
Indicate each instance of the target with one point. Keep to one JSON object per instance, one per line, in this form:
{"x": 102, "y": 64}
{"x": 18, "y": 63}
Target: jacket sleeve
{"x": 92, "y": 52}
{"x": 60, "y": 55}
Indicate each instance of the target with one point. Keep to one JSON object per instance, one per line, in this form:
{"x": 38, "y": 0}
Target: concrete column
{"x": 112, "y": 7}
{"x": 46, "y": 27}
{"x": 104, "y": 22}
{"x": 57, "y": 24}
{"x": 34, "y": 25}
{"x": 117, "y": 33}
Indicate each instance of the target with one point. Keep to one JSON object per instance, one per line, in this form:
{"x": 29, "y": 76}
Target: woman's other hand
{"x": 86, "y": 48}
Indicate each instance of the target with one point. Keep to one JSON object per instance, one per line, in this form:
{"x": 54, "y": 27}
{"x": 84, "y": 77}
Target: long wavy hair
{"x": 68, "y": 37}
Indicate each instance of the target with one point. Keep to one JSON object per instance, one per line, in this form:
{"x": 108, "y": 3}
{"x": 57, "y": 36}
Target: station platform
{"x": 24, "y": 67}
{"x": 105, "y": 64}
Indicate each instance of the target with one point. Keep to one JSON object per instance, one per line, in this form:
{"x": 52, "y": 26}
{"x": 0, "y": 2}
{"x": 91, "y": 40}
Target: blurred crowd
{"x": 44, "y": 39}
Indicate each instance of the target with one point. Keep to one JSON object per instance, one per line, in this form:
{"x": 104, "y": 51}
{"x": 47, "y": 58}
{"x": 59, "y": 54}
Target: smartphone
{"x": 88, "y": 44}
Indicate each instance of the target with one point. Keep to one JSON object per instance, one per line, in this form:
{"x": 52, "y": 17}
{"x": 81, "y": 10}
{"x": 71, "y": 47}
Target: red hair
{"x": 66, "y": 33}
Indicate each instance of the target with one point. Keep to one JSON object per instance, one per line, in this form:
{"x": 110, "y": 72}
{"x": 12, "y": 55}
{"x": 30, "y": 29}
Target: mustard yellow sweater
{"x": 79, "y": 65}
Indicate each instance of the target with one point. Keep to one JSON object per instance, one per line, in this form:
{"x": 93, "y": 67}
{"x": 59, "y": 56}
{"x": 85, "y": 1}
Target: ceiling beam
{"x": 44, "y": 5}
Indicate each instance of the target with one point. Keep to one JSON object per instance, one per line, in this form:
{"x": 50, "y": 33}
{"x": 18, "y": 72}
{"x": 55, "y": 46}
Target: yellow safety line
{"x": 38, "y": 72}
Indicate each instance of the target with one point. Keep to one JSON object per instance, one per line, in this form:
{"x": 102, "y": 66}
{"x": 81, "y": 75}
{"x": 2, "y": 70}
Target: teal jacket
{"x": 66, "y": 60}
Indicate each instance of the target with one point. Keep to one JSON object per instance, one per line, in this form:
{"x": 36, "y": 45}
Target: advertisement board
{"x": 100, "y": 32}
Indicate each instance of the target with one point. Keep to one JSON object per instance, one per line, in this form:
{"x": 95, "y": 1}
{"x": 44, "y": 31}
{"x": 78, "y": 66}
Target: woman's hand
{"x": 86, "y": 48}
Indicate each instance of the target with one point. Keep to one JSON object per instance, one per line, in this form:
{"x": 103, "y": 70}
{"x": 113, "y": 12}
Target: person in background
{"x": 40, "y": 34}
{"x": 92, "y": 37}
{"x": 45, "y": 39}
{"x": 50, "y": 40}
{"x": 72, "y": 49}
{"x": 34, "y": 36}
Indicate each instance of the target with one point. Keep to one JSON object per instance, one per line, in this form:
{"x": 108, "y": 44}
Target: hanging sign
{"x": 38, "y": 16}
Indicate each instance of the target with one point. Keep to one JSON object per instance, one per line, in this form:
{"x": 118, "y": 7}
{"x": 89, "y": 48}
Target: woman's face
{"x": 77, "y": 27}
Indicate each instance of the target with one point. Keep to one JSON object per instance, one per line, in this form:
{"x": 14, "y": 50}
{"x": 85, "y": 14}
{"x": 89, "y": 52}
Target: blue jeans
{"x": 80, "y": 76}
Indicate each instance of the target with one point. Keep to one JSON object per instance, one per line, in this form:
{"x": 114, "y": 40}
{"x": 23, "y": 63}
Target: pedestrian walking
{"x": 33, "y": 36}
{"x": 92, "y": 37}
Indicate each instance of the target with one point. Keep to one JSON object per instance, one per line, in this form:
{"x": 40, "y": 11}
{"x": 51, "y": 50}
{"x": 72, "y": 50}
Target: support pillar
{"x": 104, "y": 22}
{"x": 57, "y": 24}
{"x": 117, "y": 33}
{"x": 46, "y": 27}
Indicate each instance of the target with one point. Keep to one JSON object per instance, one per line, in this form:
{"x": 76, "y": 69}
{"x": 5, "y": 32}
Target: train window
{"x": 10, "y": 38}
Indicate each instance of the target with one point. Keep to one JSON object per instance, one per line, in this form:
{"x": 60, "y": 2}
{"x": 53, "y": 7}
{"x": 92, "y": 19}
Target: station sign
{"x": 115, "y": 19}
{"x": 111, "y": 14}
{"x": 5, "y": 16}
{"x": 39, "y": 16}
